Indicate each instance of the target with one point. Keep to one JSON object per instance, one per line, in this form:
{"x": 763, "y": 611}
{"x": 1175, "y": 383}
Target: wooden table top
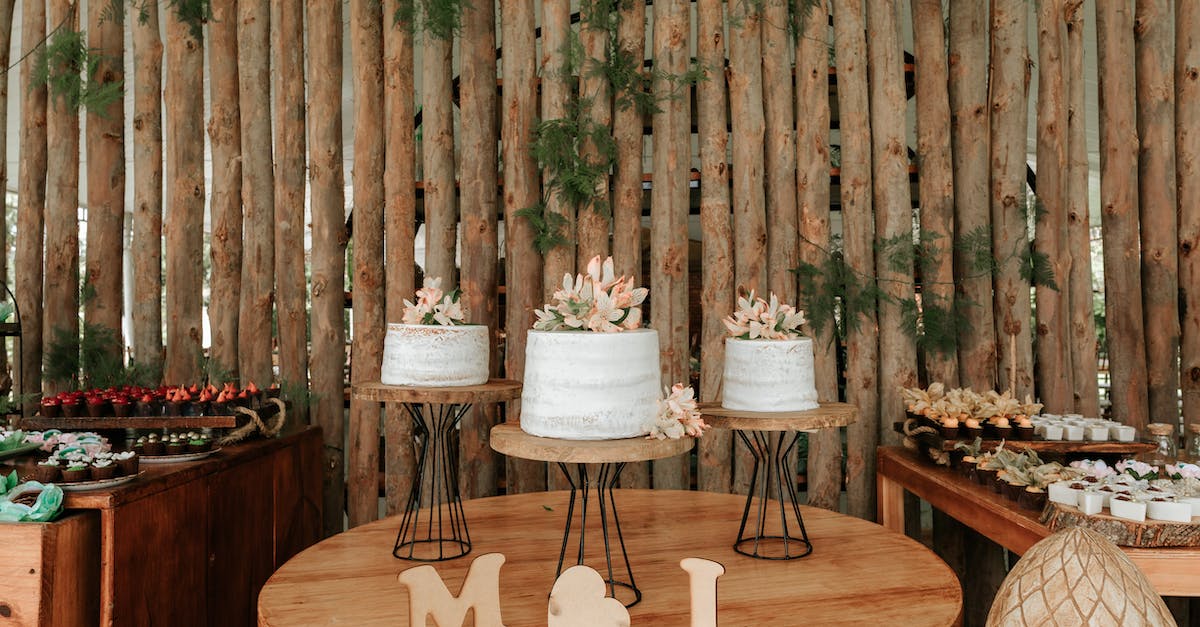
{"x": 858, "y": 573}
{"x": 827, "y": 416}
{"x": 508, "y": 439}
{"x": 494, "y": 391}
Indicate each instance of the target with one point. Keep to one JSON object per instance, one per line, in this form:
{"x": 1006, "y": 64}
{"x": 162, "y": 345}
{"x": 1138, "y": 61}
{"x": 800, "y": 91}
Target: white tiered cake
{"x": 435, "y": 356}
{"x": 590, "y": 386}
{"x": 769, "y": 375}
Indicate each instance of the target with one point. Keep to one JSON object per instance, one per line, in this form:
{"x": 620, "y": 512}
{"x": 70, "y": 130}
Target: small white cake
{"x": 582, "y": 385}
{"x": 769, "y": 375}
{"x": 435, "y": 356}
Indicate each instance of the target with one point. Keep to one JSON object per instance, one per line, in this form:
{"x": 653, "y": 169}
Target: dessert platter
{"x": 135, "y": 407}
{"x": 84, "y": 467}
{"x": 174, "y": 448}
{"x": 14, "y": 443}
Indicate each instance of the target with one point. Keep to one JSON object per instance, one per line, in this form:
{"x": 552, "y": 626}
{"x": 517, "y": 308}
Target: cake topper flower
{"x": 597, "y": 301}
{"x": 433, "y": 307}
{"x": 757, "y": 319}
{"x": 1182, "y": 470}
{"x": 677, "y": 415}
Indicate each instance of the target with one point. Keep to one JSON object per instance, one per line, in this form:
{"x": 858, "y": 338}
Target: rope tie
{"x": 256, "y": 424}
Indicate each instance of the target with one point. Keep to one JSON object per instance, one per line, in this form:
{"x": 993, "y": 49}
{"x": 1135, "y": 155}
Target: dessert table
{"x": 1172, "y": 571}
{"x": 863, "y": 573}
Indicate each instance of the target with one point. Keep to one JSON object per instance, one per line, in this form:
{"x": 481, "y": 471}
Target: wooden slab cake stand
{"x": 597, "y": 466}
{"x": 436, "y": 413}
{"x": 771, "y": 437}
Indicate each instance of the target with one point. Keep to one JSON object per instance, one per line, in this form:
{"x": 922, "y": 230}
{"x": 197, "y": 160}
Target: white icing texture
{"x": 769, "y": 375}
{"x": 435, "y": 356}
{"x": 590, "y": 386}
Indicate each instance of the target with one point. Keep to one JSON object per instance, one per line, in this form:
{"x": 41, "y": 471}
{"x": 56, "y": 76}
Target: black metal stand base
{"x": 603, "y": 482}
{"x": 433, "y": 527}
{"x": 772, "y": 482}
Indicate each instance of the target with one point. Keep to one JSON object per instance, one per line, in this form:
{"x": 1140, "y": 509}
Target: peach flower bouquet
{"x": 435, "y": 307}
{"x": 677, "y": 416}
{"x": 758, "y": 319}
{"x": 597, "y": 301}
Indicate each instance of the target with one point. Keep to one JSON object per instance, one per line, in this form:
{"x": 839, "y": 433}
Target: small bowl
{"x": 1097, "y": 433}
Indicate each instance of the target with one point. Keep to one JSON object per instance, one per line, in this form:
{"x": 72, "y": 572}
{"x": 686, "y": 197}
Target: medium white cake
{"x": 769, "y": 375}
{"x": 582, "y": 385}
{"x": 435, "y": 356}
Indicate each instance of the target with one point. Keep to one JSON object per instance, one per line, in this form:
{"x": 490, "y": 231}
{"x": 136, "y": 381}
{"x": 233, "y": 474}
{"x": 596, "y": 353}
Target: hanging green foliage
{"x": 440, "y": 18}
{"x": 92, "y": 359}
{"x": 68, "y": 69}
{"x": 549, "y": 229}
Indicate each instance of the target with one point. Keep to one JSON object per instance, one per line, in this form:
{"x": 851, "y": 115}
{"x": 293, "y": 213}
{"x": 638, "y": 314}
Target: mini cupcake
{"x": 973, "y": 428}
{"x": 127, "y": 462}
{"x": 153, "y": 446}
{"x": 76, "y": 471}
{"x": 1024, "y": 428}
{"x": 103, "y": 469}
{"x": 254, "y": 393}
{"x": 48, "y": 471}
{"x": 1001, "y": 428}
{"x": 1012, "y": 490}
{"x": 121, "y": 407}
{"x": 176, "y": 446}
{"x": 198, "y": 443}
{"x": 51, "y": 407}
{"x": 949, "y": 428}
{"x": 1032, "y": 498}
{"x": 146, "y": 406}
{"x": 274, "y": 391}
{"x": 70, "y": 407}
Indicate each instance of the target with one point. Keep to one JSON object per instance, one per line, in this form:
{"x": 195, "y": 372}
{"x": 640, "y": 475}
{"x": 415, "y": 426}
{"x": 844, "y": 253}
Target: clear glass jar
{"x": 1193, "y": 448}
{"x": 1166, "y": 446}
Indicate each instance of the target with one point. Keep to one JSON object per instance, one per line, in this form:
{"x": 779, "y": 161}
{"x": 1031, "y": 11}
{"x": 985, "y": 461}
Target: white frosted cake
{"x": 435, "y": 356}
{"x": 590, "y": 386}
{"x": 769, "y": 375}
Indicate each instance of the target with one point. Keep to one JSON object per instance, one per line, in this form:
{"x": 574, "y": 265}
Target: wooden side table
{"x": 771, "y": 437}
{"x": 436, "y": 413}
{"x": 606, "y": 458}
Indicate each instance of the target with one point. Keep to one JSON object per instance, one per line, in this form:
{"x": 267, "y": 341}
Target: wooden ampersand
{"x": 578, "y": 600}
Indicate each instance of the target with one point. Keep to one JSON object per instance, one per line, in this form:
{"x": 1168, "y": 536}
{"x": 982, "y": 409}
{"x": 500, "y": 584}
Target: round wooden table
{"x": 860, "y": 573}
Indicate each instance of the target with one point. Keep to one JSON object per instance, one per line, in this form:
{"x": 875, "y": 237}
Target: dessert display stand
{"x": 771, "y": 437}
{"x": 436, "y": 413}
{"x": 606, "y": 458}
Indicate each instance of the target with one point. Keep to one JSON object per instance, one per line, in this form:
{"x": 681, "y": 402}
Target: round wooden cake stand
{"x": 771, "y": 437}
{"x": 436, "y": 413}
{"x": 597, "y": 466}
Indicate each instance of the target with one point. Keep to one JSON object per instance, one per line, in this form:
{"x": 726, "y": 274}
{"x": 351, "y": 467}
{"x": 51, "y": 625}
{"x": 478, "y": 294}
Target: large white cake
{"x": 769, "y": 375}
{"x": 435, "y": 356}
{"x": 582, "y": 385}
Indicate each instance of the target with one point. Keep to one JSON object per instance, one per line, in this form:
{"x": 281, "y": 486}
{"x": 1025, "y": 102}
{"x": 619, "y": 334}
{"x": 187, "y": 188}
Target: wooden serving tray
{"x": 132, "y": 422}
{"x": 1124, "y": 532}
{"x": 1062, "y": 446}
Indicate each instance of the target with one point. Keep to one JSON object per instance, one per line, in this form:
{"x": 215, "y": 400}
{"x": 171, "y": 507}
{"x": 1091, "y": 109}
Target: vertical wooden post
{"x": 477, "y": 462}
{"x": 1055, "y": 381}
{"x": 1079, "y": 235}
{"x": 62, "y": 202}
{"x": 1008, "y": 102}
{"x": 592, "y": 227}
{"x": 324, "y": 50}
{"x": 935, "y": 174}
{"x": 1118, "y": 217}
{"x": 31, "y": 201}
{"x": 7, "y": 7}
{"x": 147, "y": 189}
{"x": 628, "y": 122}
{"x": 713, "y": 469}
{"x": 366, "y": 33}
{"x": 893, "y": 208}
{"x": 225, "y": 140}
{"x": 812, "y": 183}
{"x": 106, "y": 178}
{"x": 669, "y": 215}
{"x": 522, "y": 265}
{"x": 1155, "y": 87}
{"x": 1187, "y": 172}
{"x": 779, "y": 174}
{"x": 184, "y": 142}
{"x": 858, "y": 226}
{"x": 258, "y": 192}
{"x": 437, "y": 121}
{"x": 968, "y": 75}
{"x": 287, "y": 36}
{"x": 400, "y": 215}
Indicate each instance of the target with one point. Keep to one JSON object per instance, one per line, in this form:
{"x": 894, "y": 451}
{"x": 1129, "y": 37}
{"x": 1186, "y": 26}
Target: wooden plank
{"x": 713, "y": 466}
{"x": 628, "y": 125}
{"x": 669, "y": 214}
{"x": 1154, "y": 42}
{"x": 437, "y": 127}
{"x": 1149, "y": 533}
{"x": 239, "y": 540}
{"x": 592, "y": 226}
{"x": 494, "y": 391}
{"x": 522, "y": 265}
{"x": 31, "y": 202}
{"x": 1118, "y": 218}
{"x": 297, "y": 497}
{"x": 1187, "y": 169}
{"x": 967, "y": 68}
{"x": 287, "y": 35}
{"x": 51, "y": 571}
{"x": 1083, "y": 341}
{"x": 225, "y": 141}
{"x": 106, "y": 177}
{"x": 146, "y": 247}
{"x": 1060, "y": 447}
{"x": 828, "y": 415}
{"x": 510, "y": 440}
{"x": 131, "y": 422}
{"x": 370, "y": 324}
{"x": 858, "y": 225}
{"x": 324, "y": 63}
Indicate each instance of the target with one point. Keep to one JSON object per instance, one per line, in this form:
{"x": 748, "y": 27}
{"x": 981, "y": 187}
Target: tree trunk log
{"x": 779, "y": 174}
{"x": 184, "y": 141}
{"x": 1010, "y": 244}
{"x": 366, "y": 32}
{"x": 669, "y": 215}
{"x": 1118, "y": 216}
{"x": 893, "y": 210}
{"x": 1187, "y": 172}
{"x": 31, "y": 202}
{"x": 858, "y": 225}
{"x": 7, "y": 8}
{"x": 225, "y": 139}
{"x": 1079, "y": 236}
{"x": 596, "y": 98}
{"x": 324, "y": 62}
{"x": 628, "y": 122}
{"x": 713, "y": 467}
{"x": 1155, "y": 87}
{"x": 1122, "y": 532}
{"x": 437, "y": 121}
{"x": 523, "y": 267}
{"x": 968, "y": 82}
{"x": 147, "y": 246}
{"x": 1055, "y": 382}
